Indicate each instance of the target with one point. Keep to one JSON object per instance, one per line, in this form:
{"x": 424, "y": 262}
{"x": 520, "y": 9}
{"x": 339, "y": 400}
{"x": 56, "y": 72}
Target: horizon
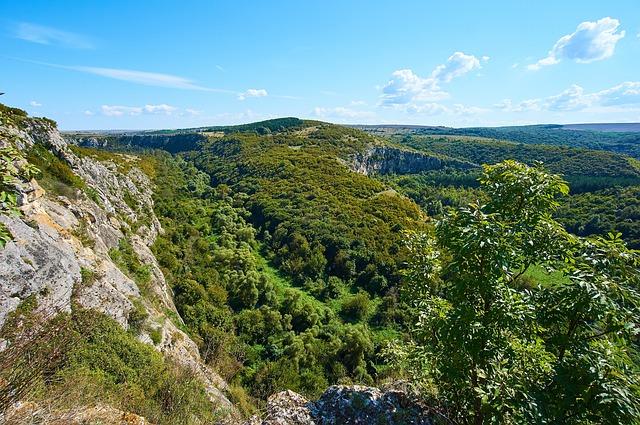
{"x": 358, "y": 63}
{"x": 106, "y": 130}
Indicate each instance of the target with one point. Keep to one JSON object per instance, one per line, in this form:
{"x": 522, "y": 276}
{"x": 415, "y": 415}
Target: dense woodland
{"x": 265, "y": 324}
{"x": 291, "y": 271}
{"x": 626, "y": 143}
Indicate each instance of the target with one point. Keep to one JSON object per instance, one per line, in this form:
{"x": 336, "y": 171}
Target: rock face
{"x": 388, "y": 160}
{"x": 170, "y": 142}
{"x": 60, "y": 252}
{"x": 345, "y": 405}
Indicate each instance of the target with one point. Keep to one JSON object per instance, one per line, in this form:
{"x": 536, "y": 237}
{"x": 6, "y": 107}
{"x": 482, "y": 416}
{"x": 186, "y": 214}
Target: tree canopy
{"x": 497, "y": 349}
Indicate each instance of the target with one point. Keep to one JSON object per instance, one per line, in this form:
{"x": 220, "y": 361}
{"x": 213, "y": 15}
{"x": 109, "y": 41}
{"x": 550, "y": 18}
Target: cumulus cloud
{"x": 34, "y": 103}
{"x": 406, "y": 87}
{"x": 625, "y": 95}
{"x": 408, "y": 90}
{"x": 252, "y": 93}
{"x": 457, "y": 65}
{"x": 41, "y": 34}
{"x": 591, "y": 41}
{"x": 119, "y": 110}
{"x": 159, "y": 109}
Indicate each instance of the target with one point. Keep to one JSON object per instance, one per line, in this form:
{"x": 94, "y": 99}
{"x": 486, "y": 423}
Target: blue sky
{"x": 169, "y": 64}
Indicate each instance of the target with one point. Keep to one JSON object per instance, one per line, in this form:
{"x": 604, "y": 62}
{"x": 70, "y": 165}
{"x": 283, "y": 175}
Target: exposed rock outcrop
{"x": 390, "y": 160}
{"x": 345, "y": 405}
{"x": 60, "y": 252}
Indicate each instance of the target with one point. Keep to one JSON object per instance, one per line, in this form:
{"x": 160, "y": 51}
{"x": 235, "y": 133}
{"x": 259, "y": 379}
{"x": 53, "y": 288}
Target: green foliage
{"x": 110, "y": 364}
{"x": 322, "y": 219}
{"x": 85, "y": 358}
{"x": 127, "y": 260}
{"x": 87, "y": 276}
{"x": 559, "y": 159}
{"x": 13, "y": 171}
{"x": 12, "y": 117}
{"x": 626, "y": 143}
{"x": 611, "y": 210}
{"x": 497, "y": 351}
{"x": 55, "y": 174}
{"x": 357, "y": 307}
{"x": 137, "y": 316}
{"x": 249, "y": 319}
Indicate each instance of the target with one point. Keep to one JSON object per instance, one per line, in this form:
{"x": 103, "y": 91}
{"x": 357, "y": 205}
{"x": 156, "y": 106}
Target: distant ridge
{"x": 630, "y": 127}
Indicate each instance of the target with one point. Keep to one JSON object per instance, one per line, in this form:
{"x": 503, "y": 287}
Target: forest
{"x": 488, "y": 283}
{"x": 292, "y": 271}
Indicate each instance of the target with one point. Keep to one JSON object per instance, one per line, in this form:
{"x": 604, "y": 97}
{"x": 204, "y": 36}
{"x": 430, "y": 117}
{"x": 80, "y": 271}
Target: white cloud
{"x": 431, "y": 108}
{"x": 51, "y": 36}
{"x": 145, "y": 78}
{"x": 89, "y": 113}
{"x": 220, "y": 68}
{"x": 409, "y": 89}
{"x": 457, "y": 65}
{"x": 341, "y": 113}
{"x": 155, "y": 79}
{"x": 572, "y": 99}
{"x": 459, "y": 109}
{"x": 622, "y": 96}
{"x": 34, "y": 103}
{"x": 406, "y": 87}
{"x": 591, "y": 41}
{"x": 159, "y": 109}
{"x": 193, "y": 112}
{"x": 252, "y": 93}
{"x": 357, "y": 103}
{"x": 119, "y": 110}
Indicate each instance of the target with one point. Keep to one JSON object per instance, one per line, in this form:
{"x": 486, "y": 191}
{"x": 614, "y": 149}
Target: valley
{"x": 281, "y": 253}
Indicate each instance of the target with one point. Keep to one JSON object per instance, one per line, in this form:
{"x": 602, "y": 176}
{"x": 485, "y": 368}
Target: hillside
{"x": 81, "y": 291}
{"x": 283, "y": 245}
{"x": 549, "y": 134}
{"x": 239, "y": 266}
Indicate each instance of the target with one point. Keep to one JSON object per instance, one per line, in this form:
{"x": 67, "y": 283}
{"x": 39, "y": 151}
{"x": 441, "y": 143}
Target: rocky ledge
{"x": 345, "y": 405}
{"x": 390, "y": 160}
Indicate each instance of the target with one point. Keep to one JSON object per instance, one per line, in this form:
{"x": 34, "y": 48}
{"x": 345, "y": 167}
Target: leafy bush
{"x": 560, "y": 353}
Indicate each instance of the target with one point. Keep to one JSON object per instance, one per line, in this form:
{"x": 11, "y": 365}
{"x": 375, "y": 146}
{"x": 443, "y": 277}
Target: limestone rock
{"x": 345, "y": 405}
{"x": 61, "y": 248}
{"x": 388, "y": 160}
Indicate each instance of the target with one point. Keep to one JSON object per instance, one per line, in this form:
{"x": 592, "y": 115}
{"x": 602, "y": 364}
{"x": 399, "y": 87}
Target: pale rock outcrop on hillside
{"x": 346, "y": 405}
{"x": 57, "y": 239}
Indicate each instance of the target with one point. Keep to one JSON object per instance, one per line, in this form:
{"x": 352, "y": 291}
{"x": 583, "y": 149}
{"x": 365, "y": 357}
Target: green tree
{"x": 499, "y": 352}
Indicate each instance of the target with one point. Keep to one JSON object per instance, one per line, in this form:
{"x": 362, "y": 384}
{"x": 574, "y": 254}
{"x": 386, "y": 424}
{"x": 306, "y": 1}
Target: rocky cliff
{"x": 63, "y": 245}
{"x": 392, "y": 160}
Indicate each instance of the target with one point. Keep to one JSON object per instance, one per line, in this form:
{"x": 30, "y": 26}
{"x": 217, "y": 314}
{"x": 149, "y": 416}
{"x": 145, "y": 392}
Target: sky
{"x": 169, "y": 64}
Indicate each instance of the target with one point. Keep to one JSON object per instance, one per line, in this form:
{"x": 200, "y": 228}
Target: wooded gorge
{"x": 288, "y": 269}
